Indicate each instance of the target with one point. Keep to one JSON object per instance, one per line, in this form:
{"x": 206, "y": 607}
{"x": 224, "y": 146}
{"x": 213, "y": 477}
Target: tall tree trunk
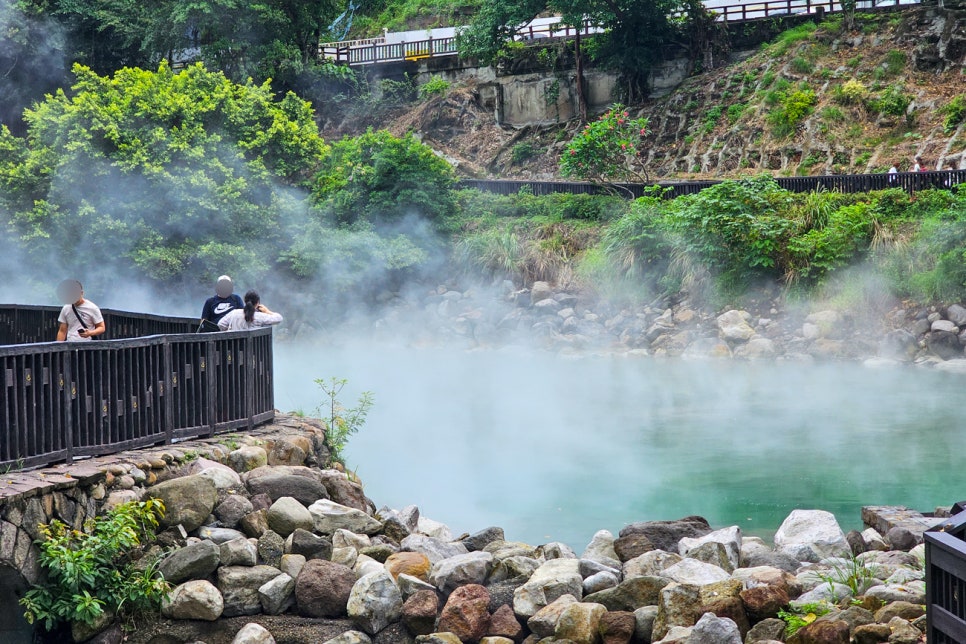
{"x": 581, "y": 98}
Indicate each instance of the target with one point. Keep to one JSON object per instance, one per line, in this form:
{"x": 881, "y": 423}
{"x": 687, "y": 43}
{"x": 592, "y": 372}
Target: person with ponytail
{"x": 254, "y": 315}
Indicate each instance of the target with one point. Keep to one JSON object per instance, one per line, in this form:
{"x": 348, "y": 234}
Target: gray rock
{"x": 253, "y": 634}
{"x": 644, "y": 618}
{"x": 601, "y": 548}
{"x": 188, "y": 501}
{"x": 729, "y": 538}
{"x": 630, "y": 594}
{"x": 271, "y": 547}
{"x": 460, "y": 570}
{"x": 711, "y": 629}
{"x": 555, "y": 550}
{"x": 638, "y": 538}
{"x": 540, "y": 291}
{"x": 322, "y": 588}
{"x": 435, "y": 529}
{"x": 287, "y": 515}
{"x": 330, "y": 516}
{"x": 811, "y": 535}
{"x": 292, "y": 565}
{"x": 247, "y": 458}
{"x": 409, "y": 585}
{"x": 956, "y": 314}
{"x": 238, "y": 552}
{"x": 555, "y": 578}
{"x": 195, "y": 561}
{"x": 196, "y": 599}
{"x": 219, "y": 535}
{"x": 733, "y": 326}
{"x": 375, "y": 602}
{"x": 767, "y": 630}
{"x": 239, "y": 587}
{"x": 944, "y": 325}
{"x": 901, "y": 539}
{"x": 230, "y": 511}
{"x": 913, "y": 592}
{"x": 300, "y": 483}
{"x": 224, "y": 478}
{"x": 754, "y": 554}
{"x": 694, "y": 572}
{"x": 600, "y": 581}
{"x": 308, "y": 544}
{"x": 481, "y": 539}
{"x": 342, "y": 490}
{"x": 350, "y": 637}
{"x": 543, "y": 623}
{"x": 434, "y": 549}
{"x": 503, "y": 549}
{"x": 588, "y": 567}
{"x": 650, "y": 563}
{"x": 277, "y": 595}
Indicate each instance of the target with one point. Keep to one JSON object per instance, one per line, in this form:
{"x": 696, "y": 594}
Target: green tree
{"x": 380, "y": 177}
{"x": 177, "y": 176}
{"x": 606, "y": 149}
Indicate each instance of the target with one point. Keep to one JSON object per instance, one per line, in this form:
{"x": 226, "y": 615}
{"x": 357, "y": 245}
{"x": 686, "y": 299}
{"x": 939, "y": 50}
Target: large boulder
{"x": 194, "y": 561}
{"x": 322, "y": 588}
{"x": 188, "y": 501}
{"x": 503, "y": 623}
{"x": 375, "y": 602}
{"x": 342, "y": 490}
{"x": 329, "y": 516}
{"x": 631, "y": 594}
{"x": 419, "y": 612}
{"x": 434, "y": 549}
{"x": 617, "y": 627}
{"x": 649, "y": 564}
{"x": 694, "y": 572}
{"x": 471, "y": 568}
{"x": 811, "y": 535}
{"x": 580, "y": 623}
{"x": 711, "y": 629}
{"x": 415, "y": 564}
{"x": 222, "y": 476}
{"x": 486, "y": 536}
{"x": 679, "y": 606}
{"x": 238, "y": 552}
{"x": 601, "y": 549}
{"x": 196, "y": 599}
{"x": 544, "y": 621}
{"x": 553, "y": 579}
{"x": 733, "y": 326}
{"x": 247, "y": 458}
{"x": 230, "y": 511}
{"x": 638, "y": 538}
{"x": 465, "y": 613}
{"x": 729, "y": 538}
{"x": 300, "y": 483}
{"x": 239, "y": 586}
{"x": 308, "y": 544}
{"x": 287, "y": 515}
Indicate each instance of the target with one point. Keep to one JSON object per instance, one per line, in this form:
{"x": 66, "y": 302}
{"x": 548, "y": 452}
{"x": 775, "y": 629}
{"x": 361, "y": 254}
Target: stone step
{"x": 885, "y": 517}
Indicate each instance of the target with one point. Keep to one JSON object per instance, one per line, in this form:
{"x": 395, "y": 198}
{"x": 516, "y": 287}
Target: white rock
{"x": 554, "y": 579}
{"x": 434, "y": 529}
{"x": 729, "y": 537}
{"x": 329, "y": 516}
{"x": 694, "y": 572}
{"x": 733, "y": 325}
{"x": 811, "y": 535}
{"x": 253, "y": 634}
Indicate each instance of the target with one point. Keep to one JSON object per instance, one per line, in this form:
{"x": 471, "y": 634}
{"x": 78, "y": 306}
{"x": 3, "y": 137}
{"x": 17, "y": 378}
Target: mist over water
{"x": 556, "y": 448}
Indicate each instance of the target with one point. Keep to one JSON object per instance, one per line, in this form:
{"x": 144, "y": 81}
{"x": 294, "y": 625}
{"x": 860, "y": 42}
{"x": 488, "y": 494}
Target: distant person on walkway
{"x": 894, "y": 174}
{"x": 80, "y": 320}
{"x": 220, "y": 304}
{"x": 917, "y": 166}
{"x": 254, "y": 315}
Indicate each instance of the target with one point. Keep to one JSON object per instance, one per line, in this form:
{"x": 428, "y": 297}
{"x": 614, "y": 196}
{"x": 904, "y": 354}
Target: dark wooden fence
{"x": 154, "y": 383}
{"x": 909, "y": 181}
{"x": 946, "y": 580}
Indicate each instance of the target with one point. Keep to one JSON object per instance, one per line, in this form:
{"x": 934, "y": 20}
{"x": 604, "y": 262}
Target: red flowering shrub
{"x": 606, "y": 149}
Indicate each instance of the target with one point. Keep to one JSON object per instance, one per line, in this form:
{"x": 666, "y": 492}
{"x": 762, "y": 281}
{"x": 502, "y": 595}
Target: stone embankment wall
{"x": 262, "y": 542}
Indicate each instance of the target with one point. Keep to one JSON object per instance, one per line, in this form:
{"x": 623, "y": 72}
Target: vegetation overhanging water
{"x": 555, "y": 448}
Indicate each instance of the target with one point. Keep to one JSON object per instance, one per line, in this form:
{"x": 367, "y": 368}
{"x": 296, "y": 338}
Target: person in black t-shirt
{"x": 220, "y": 304}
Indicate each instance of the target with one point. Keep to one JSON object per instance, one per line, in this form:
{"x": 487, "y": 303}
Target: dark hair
{"x": 251, "y": 301}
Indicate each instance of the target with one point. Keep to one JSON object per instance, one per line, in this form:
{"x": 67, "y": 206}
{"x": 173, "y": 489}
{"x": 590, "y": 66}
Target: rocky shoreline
{"x": 882, "y": 332}
{"x": 265, "y": 541}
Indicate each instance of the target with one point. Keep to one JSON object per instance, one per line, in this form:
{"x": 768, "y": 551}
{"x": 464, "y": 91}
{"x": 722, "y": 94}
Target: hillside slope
{"x": 818, "y": 100}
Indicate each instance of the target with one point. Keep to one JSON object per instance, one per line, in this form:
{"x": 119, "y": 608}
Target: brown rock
{"x": 254, "y": 524}
{"x": 733, "y": 609}
{"x": 465, "y": 613}
{"x": 343, "y": 491}
{"x": 762, "y": 602}
{"x": 504, "y": 623}
{"x": 906, "y": 610}
{"x": 409, "y": 563}
{"x": 419, "y": 612}
{"x": 322, "y": 588}
{"x": 823, "y": 632}
{"x": 638, "y": 538}
{"x": 617, "y": 627}
{"x": 871, "y": 634}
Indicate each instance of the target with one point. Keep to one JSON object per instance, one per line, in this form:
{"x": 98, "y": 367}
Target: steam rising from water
{"x": 554, "y": 448}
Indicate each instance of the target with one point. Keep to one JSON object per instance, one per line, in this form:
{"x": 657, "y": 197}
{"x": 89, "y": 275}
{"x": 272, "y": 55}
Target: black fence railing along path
{"x": 909, "y": 181}
{"x": 154, "y": 382}
{"x": 946, "y": 579}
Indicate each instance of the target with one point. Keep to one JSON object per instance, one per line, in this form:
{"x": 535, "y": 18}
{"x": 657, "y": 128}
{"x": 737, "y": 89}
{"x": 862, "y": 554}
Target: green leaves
{"x": 90, "y": 571}
{"x": 607, "y": 148}
{"x": 341, "y": 422}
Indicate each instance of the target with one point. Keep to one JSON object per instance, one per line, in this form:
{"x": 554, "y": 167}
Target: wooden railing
{"x": 855, "y": 183}
{"x": 158, "y": 383}
{"x": 946, "y": 580}
{"x": 376, "y": 50}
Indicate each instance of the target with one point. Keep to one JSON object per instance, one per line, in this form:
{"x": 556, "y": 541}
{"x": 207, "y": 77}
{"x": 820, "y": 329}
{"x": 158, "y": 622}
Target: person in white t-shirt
{"x": 254, "y": 315}
{"x": 80, "y": 320}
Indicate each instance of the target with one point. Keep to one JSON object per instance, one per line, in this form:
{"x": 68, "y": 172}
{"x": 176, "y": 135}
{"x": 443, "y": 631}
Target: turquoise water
{"x": 556, "y": 448}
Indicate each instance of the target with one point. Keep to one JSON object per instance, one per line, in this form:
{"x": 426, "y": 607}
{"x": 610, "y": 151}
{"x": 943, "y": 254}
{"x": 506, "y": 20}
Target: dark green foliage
{"x": 379, "y": 177}
{"x": 955, "y": 113}
{"x": 93, "y": 571}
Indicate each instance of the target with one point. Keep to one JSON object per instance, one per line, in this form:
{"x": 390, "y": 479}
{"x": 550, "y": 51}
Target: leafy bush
{"x": 435, "y": 86}
{"x": 735, "y": 111}
{"x": 92, "y": 572}
{"x": 821, "y": 250}
{"x": 797, "y": 618}
{"x": 521, "y": 152}
{"x": 711, "y": 118}
{"x": 380, "y": 177}
{"x": 802, "y": 65}
{"x": 851, "y": 92}
{"x": 895, "y": 62}
{"x": 792, "y": 111}
{"x": 955, "y": 113}
{"x": 606, "y": 148}
{"x": 893, "y": 101}
{"x": 787, "y": 39}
